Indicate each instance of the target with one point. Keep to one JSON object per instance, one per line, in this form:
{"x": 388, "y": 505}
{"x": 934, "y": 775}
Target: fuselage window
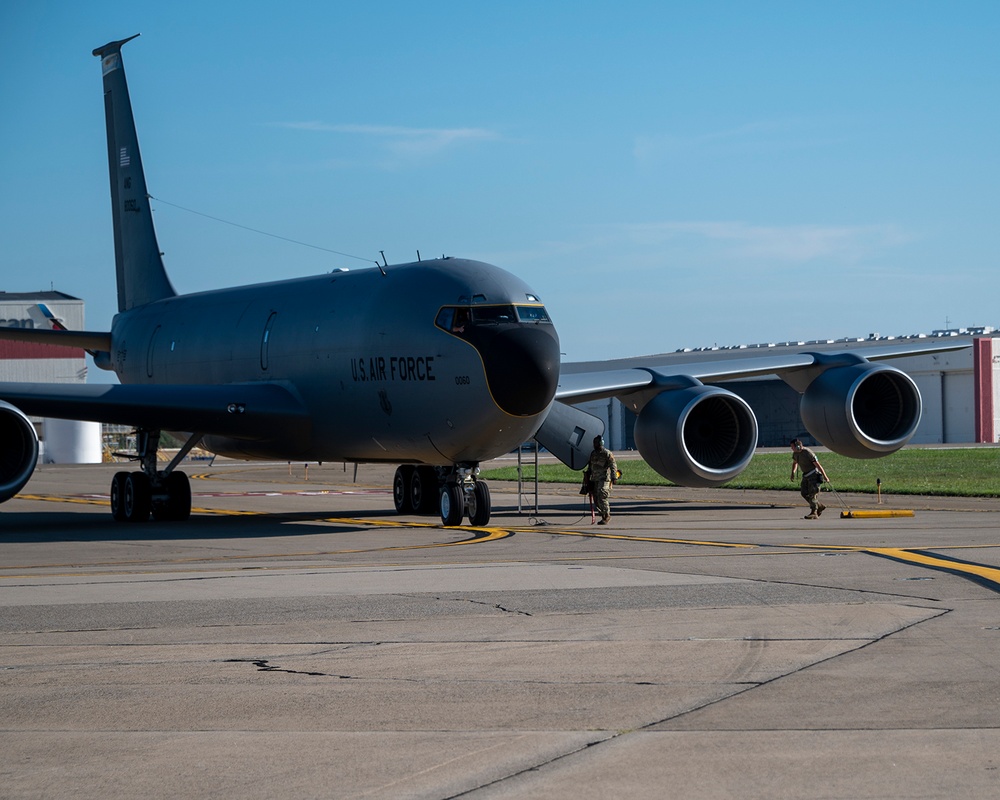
{"x": 265, "y": 340}
{"x": 150, "y": 352}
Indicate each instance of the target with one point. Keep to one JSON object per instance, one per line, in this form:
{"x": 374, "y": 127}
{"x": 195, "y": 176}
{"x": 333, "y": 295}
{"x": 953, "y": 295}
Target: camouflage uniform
{"x": 603, "y": 473}
{"x": 812, "y": 478}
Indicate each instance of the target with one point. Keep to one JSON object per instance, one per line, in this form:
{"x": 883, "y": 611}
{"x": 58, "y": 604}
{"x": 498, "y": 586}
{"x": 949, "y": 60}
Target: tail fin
{"x": 141, "y": 276}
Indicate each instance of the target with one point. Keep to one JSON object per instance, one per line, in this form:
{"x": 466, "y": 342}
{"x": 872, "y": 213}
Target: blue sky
{"x": 663, "y": 174}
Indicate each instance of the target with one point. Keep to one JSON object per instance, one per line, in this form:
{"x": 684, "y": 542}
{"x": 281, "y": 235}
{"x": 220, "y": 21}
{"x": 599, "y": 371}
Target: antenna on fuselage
{"x": 383, "y": 264}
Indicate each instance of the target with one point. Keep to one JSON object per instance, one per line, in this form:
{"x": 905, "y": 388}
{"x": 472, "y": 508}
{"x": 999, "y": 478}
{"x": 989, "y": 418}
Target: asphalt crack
{"x": 497, "y": 606}
{"x": 263, "y": 665}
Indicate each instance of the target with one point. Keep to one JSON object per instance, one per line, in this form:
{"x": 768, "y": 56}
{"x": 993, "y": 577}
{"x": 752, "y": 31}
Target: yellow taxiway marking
{"x": 98, "y": 501}
{"x": 51, "y": 498}
{"x": 981, "y": 573}
{"x": 625, "y": 537}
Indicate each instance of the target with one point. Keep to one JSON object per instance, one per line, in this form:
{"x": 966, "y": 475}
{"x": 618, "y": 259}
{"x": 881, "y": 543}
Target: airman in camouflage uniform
{"x": 603, "y": 471}
{"x": 813, "y": 476}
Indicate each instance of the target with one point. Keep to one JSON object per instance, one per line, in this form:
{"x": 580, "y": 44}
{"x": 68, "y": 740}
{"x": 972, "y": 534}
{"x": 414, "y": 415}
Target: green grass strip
{"x": 958, "y": 472}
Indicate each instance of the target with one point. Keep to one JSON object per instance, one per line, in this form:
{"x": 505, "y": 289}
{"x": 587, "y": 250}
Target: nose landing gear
{"x": 452, "y": 504}
{"x": 461, "y": 494}
{"x": 478, "y": 504}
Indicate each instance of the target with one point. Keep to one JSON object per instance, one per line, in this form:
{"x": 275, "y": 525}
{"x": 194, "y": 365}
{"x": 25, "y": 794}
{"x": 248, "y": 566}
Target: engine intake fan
{"x": 863, "y": 410}
{"x": 700, "y": 436}
{"x": 18, "y": 450}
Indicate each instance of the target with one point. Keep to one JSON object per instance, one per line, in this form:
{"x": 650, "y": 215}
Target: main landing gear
{"x": 454, "y": 492}
{"x": 163, "y": 494}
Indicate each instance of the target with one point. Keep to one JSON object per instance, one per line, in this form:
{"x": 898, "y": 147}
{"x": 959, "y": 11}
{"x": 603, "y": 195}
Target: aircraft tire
{"x": 401, "y": 496}
{"x": 137, "y": 497}
{"x": 118, "y": 496}
{"x": 177, "y": 505}
{"x": 479, "y": 508}
{"x": 452, "y": 504}
{"x": 424, "y": 490}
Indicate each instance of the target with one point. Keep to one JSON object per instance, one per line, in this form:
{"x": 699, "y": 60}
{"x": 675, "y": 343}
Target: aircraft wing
{"x": 594, "y": 384}
{"x": 696, "y": 433}
{"x": 252, "y": 411}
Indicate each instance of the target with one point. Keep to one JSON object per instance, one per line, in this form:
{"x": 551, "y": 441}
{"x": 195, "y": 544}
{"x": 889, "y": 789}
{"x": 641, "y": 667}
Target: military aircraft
{"x": 435, "y": 365}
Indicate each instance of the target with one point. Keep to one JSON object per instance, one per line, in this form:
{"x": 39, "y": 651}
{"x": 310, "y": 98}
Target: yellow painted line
{"x": 51, "y": 498}
{"x": 978, "y": 572}
{"x": 98, "y": 501}
{"x": 481, "y": 535}
{"x": 491, "y": 534}
{"x": 986, "y": 575}
{"x": 225, "y": 512}
{"x": 627, "y": 538}
{"x": 91, "y": 570}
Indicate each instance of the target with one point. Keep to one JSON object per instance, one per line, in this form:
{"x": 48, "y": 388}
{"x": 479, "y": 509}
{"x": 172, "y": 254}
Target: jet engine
{"x": 18, "y": 450}
{"x": 699, "y": 436}
{"x": 863, "y": 410}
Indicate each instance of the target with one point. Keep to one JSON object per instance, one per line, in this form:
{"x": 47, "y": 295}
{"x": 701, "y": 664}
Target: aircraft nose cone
{"x": 522, "y": 367}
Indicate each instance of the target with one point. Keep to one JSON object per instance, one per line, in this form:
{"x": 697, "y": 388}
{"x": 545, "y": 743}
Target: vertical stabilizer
{"x": 141, "y": 276}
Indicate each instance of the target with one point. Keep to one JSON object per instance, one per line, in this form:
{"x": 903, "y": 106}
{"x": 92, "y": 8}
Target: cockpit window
{"x": 532, "y": 314}
{"x": 444, "y": 318}
{"x": 493, "y": 314}
{"x": 453, "y": 320}
{"x": 457, "y": 319}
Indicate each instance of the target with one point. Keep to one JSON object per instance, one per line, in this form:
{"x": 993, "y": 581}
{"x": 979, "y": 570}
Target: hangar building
{"x": 23, "y": 362}
{"x": 960, "y": 388}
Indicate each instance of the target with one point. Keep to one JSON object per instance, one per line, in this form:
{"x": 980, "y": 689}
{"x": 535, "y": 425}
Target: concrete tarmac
{"x": 296, "y": 638}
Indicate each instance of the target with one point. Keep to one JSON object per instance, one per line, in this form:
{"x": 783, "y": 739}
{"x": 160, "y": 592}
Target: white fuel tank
{"x": 70, "y": 441}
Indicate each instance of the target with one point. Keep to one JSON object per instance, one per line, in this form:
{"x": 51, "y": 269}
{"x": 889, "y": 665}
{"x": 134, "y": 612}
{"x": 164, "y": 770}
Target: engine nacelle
{"x": 18, "y": 450}
{"x": 700, "y": 436}
{"x": 862, "y": 411}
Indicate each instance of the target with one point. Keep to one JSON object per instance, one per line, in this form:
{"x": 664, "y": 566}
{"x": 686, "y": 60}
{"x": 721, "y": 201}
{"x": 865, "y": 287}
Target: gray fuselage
{"x": 367, "y": 354}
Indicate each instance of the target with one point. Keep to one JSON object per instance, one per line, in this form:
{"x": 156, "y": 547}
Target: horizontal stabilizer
{"x": 92, "y": 341}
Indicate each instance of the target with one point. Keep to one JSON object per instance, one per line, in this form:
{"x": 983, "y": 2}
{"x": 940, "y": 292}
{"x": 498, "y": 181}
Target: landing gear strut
{"x": 164, "y": 494}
